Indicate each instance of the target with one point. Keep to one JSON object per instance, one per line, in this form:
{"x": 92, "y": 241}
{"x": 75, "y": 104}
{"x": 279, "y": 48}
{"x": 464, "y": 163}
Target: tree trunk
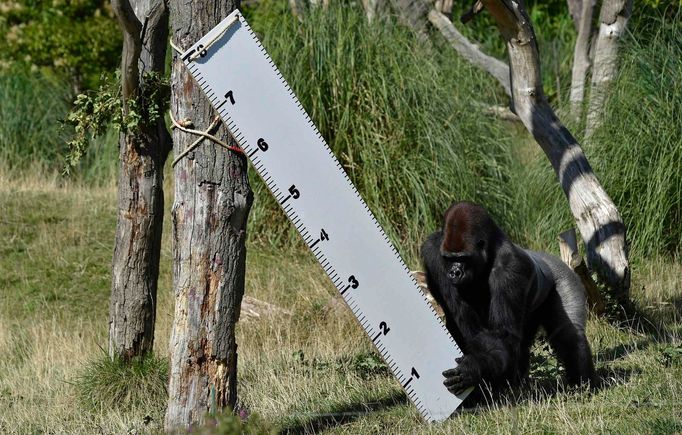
{"x": 143, "y": 152}
{"x": 613, "y": 19}
{"x": 498, "y": 69}
{"x": 575, "y": 8}
{"x": 581, "y": 59}
{"x": 212, "y": 203}
{"x": 597, "y": 218}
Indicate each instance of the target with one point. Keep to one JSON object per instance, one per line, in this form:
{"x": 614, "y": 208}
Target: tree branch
{"x": 132, "y": 46}
{"x": 581, "y": 59}
{"x": 495, "y": 67}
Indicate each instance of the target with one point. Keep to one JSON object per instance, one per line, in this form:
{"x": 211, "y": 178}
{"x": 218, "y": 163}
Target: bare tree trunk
{"x": 581, "y": 59}
{"x": 575, "y": 8}
{"x": 212, "y": 203}
{"x": 143, "y": 152}
{"x": 613, "y": 19}
{"x": 597, "y": 218}
{"x": 469, "y": 51}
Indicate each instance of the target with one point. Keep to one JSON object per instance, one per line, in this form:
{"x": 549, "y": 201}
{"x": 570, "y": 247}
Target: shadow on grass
{"x": 343, "y": 414}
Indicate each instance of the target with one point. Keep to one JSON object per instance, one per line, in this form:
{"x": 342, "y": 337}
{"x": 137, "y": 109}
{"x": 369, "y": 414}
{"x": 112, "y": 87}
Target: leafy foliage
{"x": 94, "y": 112}
{"x": 77, "y": 39}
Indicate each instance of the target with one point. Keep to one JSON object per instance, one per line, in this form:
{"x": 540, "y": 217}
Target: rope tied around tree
{"x": 184, "y": 126}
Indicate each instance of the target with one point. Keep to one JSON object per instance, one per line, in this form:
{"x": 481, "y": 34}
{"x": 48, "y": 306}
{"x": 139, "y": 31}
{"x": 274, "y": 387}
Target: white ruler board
{"x": 279, "y": 138}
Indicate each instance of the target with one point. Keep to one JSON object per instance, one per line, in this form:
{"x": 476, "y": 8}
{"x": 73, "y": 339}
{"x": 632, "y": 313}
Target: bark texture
{"x": 212, "y": 202}
{"x": 135, "y": 265}
{"x": 596, "y": 215}
{"x": 613, "y": 19}
{"x": 469, "y": 51}
{"x": 581, "y": 59}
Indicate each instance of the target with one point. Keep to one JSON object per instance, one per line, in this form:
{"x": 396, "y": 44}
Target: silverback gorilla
{"x": 496, "y": 295}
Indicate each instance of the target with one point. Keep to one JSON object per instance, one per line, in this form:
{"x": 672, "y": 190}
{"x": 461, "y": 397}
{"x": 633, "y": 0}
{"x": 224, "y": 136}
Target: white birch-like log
{"x": 469, "y": 51}
{"x": 613, "y": 19}
{"x": 597, "y": 218}
{"x": 212, "y": 203}
{"x": 581, "y": 59}
{"x": 142, "y": 154}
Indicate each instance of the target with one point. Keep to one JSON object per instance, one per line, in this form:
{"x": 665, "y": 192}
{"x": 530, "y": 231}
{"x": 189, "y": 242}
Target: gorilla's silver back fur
{"x": 568, "y": 286}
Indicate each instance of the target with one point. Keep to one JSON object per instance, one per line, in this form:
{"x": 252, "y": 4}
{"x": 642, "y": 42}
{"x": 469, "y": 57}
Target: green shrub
{"x": 79, "y": 40}
{"x": 402, "y": 116}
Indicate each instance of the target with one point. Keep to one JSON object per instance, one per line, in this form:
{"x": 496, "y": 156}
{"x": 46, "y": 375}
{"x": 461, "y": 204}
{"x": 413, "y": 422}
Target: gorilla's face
{"x": 463, "y": 267}
{"x": 466, "y": 232}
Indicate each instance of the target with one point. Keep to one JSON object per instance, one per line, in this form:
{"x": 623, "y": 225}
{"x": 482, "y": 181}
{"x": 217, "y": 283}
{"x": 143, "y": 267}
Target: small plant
{"x": 543, "y": 364}
{"x": 671, "y": 355}
{"x": 113, "y": 384}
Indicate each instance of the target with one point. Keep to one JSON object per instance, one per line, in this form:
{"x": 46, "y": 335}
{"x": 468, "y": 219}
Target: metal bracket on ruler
{"x": 281, "y": 141}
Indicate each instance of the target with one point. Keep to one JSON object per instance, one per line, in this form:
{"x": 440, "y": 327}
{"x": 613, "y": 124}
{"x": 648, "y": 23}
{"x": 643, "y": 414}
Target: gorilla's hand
{"x": 463, "y": 376}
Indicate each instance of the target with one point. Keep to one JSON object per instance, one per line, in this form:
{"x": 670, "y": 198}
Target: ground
{"x": 313, "y": 370}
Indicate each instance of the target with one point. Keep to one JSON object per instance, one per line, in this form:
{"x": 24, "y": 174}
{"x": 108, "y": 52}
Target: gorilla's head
{"x": 468, "y": 233}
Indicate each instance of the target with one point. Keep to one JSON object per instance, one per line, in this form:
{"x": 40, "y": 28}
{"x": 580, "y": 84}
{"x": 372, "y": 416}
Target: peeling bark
{"x": 581, "y": 59}
{"x": 212, "y": 203}
{"x": 137, "y": 247}
{"x": 596, "y": 215}
{"x": 613, "y": 19}
{"x": 498, "y": 69}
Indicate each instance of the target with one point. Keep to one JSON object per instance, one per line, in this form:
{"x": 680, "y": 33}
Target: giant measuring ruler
{"x": 267, "y": 120}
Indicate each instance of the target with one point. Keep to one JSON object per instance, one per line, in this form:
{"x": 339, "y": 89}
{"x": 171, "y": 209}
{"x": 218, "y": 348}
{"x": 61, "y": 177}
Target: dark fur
{"x": 494, "y": 302}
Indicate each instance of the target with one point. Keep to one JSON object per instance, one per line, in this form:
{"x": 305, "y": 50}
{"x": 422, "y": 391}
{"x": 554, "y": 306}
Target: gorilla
{"x": 496, "y": 295}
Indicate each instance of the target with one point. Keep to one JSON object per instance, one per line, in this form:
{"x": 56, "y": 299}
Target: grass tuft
{"x": 106, "y": 383}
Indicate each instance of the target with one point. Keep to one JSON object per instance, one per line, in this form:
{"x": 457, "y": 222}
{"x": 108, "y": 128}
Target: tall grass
{"x": 32, "y": 106}
{"x": 402, "y": 115}
{"x": 32, "y": 135}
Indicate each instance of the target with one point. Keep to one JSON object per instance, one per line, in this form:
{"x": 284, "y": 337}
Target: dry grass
{"x": 311, "y": 371}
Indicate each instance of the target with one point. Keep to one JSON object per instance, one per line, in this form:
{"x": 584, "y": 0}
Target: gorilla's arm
{"x": 494, "y": 351}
